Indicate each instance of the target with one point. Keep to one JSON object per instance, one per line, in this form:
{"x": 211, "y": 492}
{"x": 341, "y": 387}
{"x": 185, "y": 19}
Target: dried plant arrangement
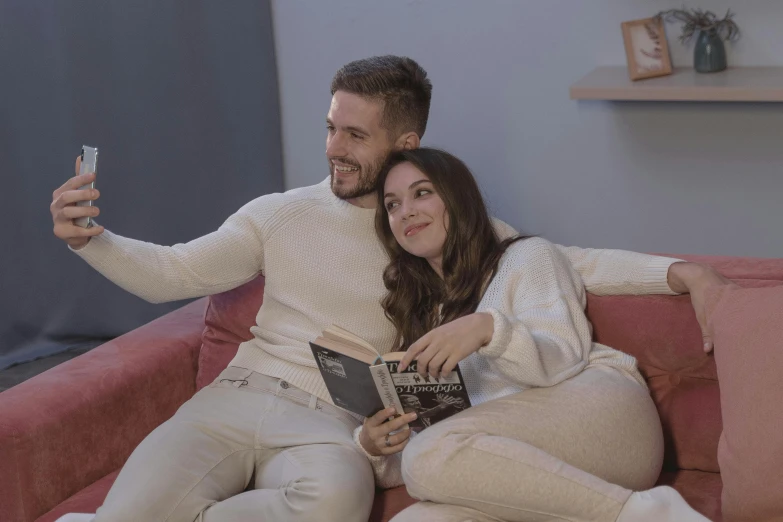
{"x": 694, "y": 20}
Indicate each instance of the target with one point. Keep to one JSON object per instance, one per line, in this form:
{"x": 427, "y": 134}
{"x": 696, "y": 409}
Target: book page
{"x": 341, "y": 335}
{"x": 393, "y": 356}
{"x": 347, "y": 349}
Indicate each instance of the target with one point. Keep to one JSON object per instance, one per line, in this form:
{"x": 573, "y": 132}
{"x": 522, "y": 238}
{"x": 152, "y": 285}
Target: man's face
{"x": 356, "y": 145}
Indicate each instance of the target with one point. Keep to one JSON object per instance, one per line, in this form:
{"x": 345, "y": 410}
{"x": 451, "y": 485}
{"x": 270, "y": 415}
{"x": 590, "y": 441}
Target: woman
{"x": 561, "y": 428}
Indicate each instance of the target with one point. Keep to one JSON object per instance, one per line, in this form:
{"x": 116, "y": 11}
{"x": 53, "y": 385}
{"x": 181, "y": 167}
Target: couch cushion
{"x": 663, "y": 334}
{"x": 87, "y": 500}
{"x": 701, "y": 490}
{"x": 747, "y": 325}
{"x": 389, "y": 502}
{"x": 227, "y": 323}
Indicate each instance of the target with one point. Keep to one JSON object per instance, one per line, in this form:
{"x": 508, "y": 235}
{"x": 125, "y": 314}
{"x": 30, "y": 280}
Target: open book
{"x": 360, "y": 380}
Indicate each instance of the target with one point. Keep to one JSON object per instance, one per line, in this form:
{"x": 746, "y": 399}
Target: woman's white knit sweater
{"x": 541, "y": 334}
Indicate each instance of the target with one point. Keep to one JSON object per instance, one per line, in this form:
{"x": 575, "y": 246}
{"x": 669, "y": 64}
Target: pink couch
{"x": 65, "y": 434}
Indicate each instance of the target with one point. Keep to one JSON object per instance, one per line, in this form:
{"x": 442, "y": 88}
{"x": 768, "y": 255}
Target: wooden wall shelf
{"x": 735, "y": 84}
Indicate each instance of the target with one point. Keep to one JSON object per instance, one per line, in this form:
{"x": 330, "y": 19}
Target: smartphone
{"x": 89, "y": 164}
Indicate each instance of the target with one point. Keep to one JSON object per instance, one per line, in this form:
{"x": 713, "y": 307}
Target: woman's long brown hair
{"x": 470, "y": 254}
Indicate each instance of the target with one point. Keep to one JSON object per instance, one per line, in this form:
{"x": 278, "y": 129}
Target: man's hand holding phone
{"x": 65, "y": 209}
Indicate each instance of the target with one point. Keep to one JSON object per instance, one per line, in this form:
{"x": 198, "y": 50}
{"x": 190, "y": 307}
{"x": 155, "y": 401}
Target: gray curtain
{"x": 181, "y": 99}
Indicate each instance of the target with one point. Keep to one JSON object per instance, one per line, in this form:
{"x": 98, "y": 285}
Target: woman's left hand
{"x": 438, "y": 352}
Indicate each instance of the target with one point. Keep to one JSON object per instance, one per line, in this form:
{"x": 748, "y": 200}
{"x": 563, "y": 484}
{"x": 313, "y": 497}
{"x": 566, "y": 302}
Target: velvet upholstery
{"x": 103, "y": 403}
{"x": 71, "y": 425}
{"x": 228, "y": 319}
{"x": 747, "y": 324}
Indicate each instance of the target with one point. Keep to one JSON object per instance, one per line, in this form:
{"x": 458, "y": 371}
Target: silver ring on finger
{"x": 387, "y": 441}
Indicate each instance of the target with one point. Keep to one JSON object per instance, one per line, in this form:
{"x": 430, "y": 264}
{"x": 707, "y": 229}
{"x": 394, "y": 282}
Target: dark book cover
{"x": 432, "y": 400}
{"x": 349, "y": 381}
{"x": 358, "y": 387}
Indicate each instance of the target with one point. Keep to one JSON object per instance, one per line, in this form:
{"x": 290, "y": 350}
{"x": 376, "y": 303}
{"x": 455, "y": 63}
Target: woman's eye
{"x": 423, "y": 192}
{"x": 391, "y": 205}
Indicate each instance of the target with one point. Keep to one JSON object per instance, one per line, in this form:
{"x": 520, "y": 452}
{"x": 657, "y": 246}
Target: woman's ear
{"x": 408, "y": 141}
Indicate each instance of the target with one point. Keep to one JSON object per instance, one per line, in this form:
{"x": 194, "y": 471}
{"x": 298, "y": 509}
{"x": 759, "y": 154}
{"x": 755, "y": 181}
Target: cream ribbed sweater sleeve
{"x": 542, "y": 335}
{"x": 620, "y": 272}
{"x": 386, "y": 468}
{"x": 612, "y": 272}
{"x": 214, "y": 263}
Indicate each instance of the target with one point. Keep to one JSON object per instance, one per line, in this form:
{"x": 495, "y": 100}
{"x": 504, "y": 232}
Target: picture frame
{"x": 646, "y": 48}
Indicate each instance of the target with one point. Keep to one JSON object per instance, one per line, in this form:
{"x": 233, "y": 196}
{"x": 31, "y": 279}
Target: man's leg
{"x": 571, "y": 452}
{"x": 312, "y": 470}
{"x": 198, "y": 465}
{"x": 313, "y": 483}
{"x": 205, "y": 453}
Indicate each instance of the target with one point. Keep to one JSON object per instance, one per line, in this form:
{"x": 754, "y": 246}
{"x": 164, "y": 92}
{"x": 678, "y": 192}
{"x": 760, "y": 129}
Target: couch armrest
{"x": 69, "y": 426}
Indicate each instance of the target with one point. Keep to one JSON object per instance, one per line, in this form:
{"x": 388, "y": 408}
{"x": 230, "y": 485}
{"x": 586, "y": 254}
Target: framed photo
{"x": 646, "y": 48}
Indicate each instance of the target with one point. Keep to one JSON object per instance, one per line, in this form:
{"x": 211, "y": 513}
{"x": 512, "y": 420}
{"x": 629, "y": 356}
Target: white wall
{"x": 665, "y": 177}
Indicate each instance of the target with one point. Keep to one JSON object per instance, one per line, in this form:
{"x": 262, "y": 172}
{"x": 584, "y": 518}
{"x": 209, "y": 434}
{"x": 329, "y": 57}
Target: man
{"x": 264, "y": 442}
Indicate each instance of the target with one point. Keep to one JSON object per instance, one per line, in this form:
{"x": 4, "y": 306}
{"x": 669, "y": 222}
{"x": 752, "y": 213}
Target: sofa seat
{"x": 701, "y": 489}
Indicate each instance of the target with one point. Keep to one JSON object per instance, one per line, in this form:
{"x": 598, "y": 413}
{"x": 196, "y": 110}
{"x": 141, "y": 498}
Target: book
{"x": 363, "y": 381}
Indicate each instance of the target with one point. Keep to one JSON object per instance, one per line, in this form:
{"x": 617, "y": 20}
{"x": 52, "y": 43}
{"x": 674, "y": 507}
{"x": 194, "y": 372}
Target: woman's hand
{"x": 376, "y": 438}
{"x": 438, "y": 352}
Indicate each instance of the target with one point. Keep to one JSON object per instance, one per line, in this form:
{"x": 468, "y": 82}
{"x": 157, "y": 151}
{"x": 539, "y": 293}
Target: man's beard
{"x": 365, "y": 180}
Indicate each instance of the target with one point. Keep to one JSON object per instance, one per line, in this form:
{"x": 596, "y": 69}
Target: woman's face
{"x": 417, "y": 214}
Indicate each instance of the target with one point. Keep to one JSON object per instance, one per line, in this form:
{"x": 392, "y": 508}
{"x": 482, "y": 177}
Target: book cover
{"x": 432, "y": 400}
{"x": 365, "y": 388}
{"x": 349, "y": 381}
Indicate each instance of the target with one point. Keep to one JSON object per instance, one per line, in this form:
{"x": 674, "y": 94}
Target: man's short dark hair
{"x": 399, "y": 82}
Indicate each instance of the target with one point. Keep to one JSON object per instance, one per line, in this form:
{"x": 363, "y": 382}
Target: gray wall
{"x": 684, "y": 178}
{"x": 181, "y": 99}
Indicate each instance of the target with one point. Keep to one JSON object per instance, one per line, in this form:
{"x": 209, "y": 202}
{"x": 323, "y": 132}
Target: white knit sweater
{"x": 541, "y": 334}
{"x": 323, "y": 265}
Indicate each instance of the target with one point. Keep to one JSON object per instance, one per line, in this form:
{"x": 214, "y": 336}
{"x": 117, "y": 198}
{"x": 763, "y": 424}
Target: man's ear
{"x": 408, "y": 141}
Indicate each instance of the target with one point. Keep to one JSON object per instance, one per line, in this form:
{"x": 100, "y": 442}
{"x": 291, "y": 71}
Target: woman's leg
{"x": 432, "y": 512}
{"x": 569, "y": 452}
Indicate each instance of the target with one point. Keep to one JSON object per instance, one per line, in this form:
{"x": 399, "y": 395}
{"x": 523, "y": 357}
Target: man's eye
{"x": 330, "y": 128}
{"x": 356, "y": 136}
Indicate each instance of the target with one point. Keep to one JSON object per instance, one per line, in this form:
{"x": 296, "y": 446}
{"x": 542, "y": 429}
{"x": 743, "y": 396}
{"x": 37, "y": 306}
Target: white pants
{"x": 246, "y": 448}
{"x": 571, "y": 452}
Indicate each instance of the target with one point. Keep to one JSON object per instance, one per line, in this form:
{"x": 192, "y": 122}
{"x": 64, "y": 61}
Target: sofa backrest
{"x": 660, "y": 331}
{"x": 227, "y": 323}
{"x": 663, "y": 334}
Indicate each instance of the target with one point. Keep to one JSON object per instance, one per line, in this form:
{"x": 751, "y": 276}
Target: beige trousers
{"x": 246, "y": 448}
{"x": 572, "y": 452}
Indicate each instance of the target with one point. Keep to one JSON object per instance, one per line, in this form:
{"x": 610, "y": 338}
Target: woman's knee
{"x": 633, "y": 443}
{"x": 425, "y": 458}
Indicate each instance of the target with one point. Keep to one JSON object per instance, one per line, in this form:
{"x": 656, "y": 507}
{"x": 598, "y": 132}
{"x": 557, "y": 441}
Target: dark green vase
{"x": 710, "y": 53}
